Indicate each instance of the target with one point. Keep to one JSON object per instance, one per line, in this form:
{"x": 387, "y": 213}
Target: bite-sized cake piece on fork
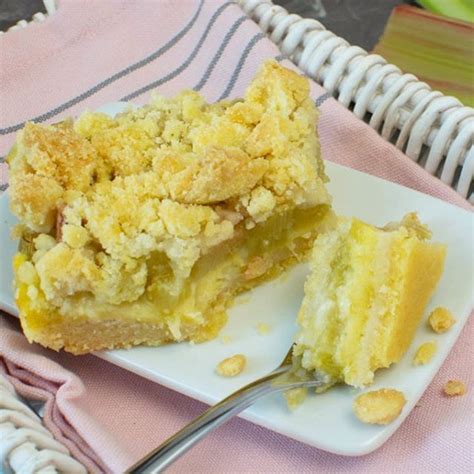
{"x": 365, "y": 297}
{"x": 140, "y": 229}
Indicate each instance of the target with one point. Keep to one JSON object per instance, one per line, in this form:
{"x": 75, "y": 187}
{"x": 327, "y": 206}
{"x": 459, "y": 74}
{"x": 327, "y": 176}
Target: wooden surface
{"x": 360, "y": 22}
{"x": 12, "y": 11}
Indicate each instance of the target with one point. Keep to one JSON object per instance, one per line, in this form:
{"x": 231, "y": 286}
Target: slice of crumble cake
{"x": 141, "y": 229}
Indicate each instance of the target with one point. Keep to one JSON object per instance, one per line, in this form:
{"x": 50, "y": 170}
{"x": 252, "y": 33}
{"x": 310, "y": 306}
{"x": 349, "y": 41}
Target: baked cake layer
{"x": 365, "y": 297}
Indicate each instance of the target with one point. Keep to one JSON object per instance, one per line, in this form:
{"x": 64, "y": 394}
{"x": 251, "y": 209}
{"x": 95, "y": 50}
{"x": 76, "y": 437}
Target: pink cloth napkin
{"x": 93, "y": 52}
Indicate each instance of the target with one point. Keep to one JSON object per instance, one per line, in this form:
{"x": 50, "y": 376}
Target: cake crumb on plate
{"x": 454, "y": 388}
{"x": 295, "y": 397}
{"x": 441, "y": 320}
{"x": 263, "y": 329}
{"x": 231, "y": 366}
{"x": 425, "y": 353}
{"x": 380, "y": 406}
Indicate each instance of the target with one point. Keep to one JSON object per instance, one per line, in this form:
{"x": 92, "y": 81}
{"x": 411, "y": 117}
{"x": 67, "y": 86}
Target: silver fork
{"x": 279, "y": 380}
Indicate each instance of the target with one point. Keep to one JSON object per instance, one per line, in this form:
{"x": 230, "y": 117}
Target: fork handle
{"x": 215, "y": 416}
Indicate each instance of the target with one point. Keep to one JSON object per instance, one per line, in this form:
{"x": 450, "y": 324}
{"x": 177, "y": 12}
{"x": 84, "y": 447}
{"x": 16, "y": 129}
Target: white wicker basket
{"x": 26, "y": 446}
{"x": 434, "y": 130}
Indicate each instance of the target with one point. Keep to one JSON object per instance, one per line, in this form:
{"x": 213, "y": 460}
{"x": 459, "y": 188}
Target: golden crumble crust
{"x": 202, "y": 182}
{"x": 46, "y": 162}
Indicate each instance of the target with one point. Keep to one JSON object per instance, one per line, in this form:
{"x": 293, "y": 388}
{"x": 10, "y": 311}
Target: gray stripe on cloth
{"x": 280, "y": 57}
{"x": 3, "y": 187}
{"x": 216, "y": 58}
{"x": 111, "y": 79}
{"x": 322, "y": 98}
{"x": 218, "y": 55}
{"x": 186, "y": 63}
{"x": 237, "y": 70}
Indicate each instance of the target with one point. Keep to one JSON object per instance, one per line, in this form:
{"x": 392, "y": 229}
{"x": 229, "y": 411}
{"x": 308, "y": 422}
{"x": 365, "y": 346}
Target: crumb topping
{"x": 232, "y": 366}
{"x": 441, "y": 320}
{"x": 380, "y": 406}
{"x": 176, "y": 177}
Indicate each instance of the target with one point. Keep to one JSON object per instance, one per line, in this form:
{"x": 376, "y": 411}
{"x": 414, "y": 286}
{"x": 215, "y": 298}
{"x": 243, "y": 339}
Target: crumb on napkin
{"x": 454, "y": 388}
{"x": 380, "y": 406}
{"x": 231, "y": 366}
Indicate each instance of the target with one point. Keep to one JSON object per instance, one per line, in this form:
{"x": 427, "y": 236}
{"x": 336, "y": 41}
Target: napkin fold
{"x": 94, "y": 52}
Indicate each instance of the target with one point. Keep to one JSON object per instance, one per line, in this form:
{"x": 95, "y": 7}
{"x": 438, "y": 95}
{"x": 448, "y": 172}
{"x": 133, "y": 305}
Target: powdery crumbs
{"x": 454, "y": 388}
{"x": 226, "y": 339}
{"x": 232, "y": 366}
{"x": 441, "y": 320}
{"x": 263, "y": 328}
{"x": 295, "y": 397}
{"x": 242, "y": 298}
{"x": 380, "y": 406}
{"x": 425, "y": 353}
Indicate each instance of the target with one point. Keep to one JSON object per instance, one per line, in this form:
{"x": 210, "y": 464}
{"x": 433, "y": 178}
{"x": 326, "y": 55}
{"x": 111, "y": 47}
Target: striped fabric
{"x": 167, "y": 64}
{"x": 48, "y": 94}
{"x": 98, "y": 51}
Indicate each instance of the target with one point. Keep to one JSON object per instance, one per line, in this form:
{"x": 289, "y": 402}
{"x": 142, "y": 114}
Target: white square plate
{"x": 325, "y": 421}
